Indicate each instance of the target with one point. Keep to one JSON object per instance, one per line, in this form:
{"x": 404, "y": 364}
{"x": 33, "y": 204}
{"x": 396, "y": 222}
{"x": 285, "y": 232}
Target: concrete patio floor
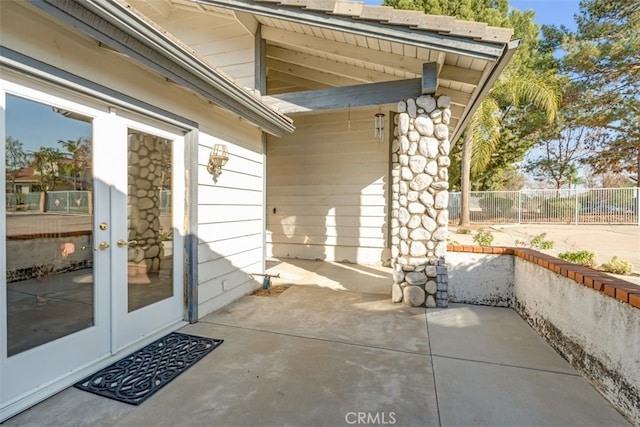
{"x": 333, "y": 350}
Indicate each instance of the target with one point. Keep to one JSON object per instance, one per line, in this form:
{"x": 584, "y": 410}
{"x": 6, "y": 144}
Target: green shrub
{"x": 586, "y": 258}
{"x": 483, "y": 238}
{"x": 452, "y": 242}
{"x": 537, "y": 242}
{"x": 558, "y": 208}
{"x": 617, "y": 266}
{"x": 464, "y": 231}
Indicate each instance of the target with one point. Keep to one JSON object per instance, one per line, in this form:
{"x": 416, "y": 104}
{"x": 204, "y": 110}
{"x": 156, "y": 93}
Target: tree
{"x": 608, "y": 180}
{"x": 46, "y": 164}
{"x": 15, "y": 160}
{"x": 79, "y": 156}
{"x": 528, "y": 83}
{"x": 562, "y": 149}
{"x": 603, "y": 60}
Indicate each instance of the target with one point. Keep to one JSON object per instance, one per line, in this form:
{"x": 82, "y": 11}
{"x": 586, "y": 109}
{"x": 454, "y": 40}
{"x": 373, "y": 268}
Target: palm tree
{"x": 574, "y": 176}
{"x": 79, "y": 156}
{"x": 482, "y": 135}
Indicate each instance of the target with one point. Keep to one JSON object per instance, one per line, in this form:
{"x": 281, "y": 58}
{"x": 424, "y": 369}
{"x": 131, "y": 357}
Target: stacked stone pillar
{"x": 145, "y": 181}
{"x": 420, "y": 195}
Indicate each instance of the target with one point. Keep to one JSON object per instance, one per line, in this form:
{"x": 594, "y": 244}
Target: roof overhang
{"x": 483, "y": 90}
{"x": 318, "y": 14}
{"x": 317, "y": 47}
{"x": 122, "y": 29}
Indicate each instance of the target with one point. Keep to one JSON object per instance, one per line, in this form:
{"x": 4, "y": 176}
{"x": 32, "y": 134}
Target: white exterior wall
{"x": 480, "y": 278}
{"x": 221, "y": 40}
{"x": 230, "y": 215}
{"x": 327, "y": 190}
{"x": 596, "y": 333}
{"x": 230, "y": 219}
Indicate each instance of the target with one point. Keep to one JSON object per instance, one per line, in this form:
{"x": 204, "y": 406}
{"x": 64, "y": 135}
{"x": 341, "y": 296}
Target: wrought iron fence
{"x": 55, "y": 201}
{"x": 68, "y": 201}
{"x": 576, "y": 206}
{"x": 22, "y": 202}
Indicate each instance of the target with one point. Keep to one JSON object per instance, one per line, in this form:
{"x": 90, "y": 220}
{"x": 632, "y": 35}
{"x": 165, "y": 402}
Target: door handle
{"x": 102, "y": 246}
{"x": 122, "y": 243}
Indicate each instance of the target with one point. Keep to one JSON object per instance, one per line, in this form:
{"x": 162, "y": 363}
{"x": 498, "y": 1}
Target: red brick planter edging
{"x": 598, "y": 280}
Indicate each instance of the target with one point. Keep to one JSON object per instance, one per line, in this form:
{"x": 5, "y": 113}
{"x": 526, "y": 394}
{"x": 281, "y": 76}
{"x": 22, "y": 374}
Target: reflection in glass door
{"x": 149, "y": 220}
{"x": 49, "y": 223}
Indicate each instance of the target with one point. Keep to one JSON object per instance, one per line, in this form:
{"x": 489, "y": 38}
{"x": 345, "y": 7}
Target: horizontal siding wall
{"x": 327, "y": 190}
{"x": 219, "y": 39}
{"x": 230, "y": 219}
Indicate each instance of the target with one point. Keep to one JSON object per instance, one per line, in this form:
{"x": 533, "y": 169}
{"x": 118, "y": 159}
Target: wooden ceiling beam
{"x": 339, "y": 68}
{"x": 459, "y": 74}
{"x": 311, "y": 73}
{"x": 457, "y": 97}
{"x": 293, "y": 80}
{"x": 346, "y": 96}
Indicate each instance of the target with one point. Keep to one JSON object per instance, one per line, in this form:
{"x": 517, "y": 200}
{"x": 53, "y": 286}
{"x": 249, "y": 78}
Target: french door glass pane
{"x": 149, "y": 220}
{"x": 49, "y": 219}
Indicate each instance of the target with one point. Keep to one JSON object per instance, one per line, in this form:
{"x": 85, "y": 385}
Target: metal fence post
{"x": 638, "y": 206}
{"x": 519, "y": 206}
{"x": 576, "y": 205}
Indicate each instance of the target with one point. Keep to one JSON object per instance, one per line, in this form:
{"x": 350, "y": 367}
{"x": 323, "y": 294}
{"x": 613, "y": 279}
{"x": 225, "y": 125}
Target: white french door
{"x": 87, "y": 239}
{"x": 146, "y": 172}
{"x": 55, "y": 305}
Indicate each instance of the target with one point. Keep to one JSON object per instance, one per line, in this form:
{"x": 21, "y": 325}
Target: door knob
{"x": 102, "y": 246}
{"x": 122, "y": 243}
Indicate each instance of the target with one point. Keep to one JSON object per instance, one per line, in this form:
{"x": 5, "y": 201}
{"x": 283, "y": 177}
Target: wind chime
{"x": 379, "y": 126}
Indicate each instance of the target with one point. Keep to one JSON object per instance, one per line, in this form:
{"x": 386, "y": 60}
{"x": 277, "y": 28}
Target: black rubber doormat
{"x": 134, "y": 378}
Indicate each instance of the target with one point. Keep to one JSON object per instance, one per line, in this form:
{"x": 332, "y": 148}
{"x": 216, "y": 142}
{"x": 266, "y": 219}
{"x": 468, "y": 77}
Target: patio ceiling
{"x": 310, "y": 46}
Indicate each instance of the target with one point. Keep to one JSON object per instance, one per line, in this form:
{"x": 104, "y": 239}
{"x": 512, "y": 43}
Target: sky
{"x": 550, "y": 12}
{"x": 36, "y": 125}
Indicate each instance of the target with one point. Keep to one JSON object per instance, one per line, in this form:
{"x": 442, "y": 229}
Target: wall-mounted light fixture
{"x": 217, "y": 159}
{"x": 379, "y": 126}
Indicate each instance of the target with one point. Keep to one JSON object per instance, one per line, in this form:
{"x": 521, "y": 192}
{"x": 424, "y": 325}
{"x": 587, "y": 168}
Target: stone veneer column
{"x": 420, "y": 195}
{"x": 145, "y": 182}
